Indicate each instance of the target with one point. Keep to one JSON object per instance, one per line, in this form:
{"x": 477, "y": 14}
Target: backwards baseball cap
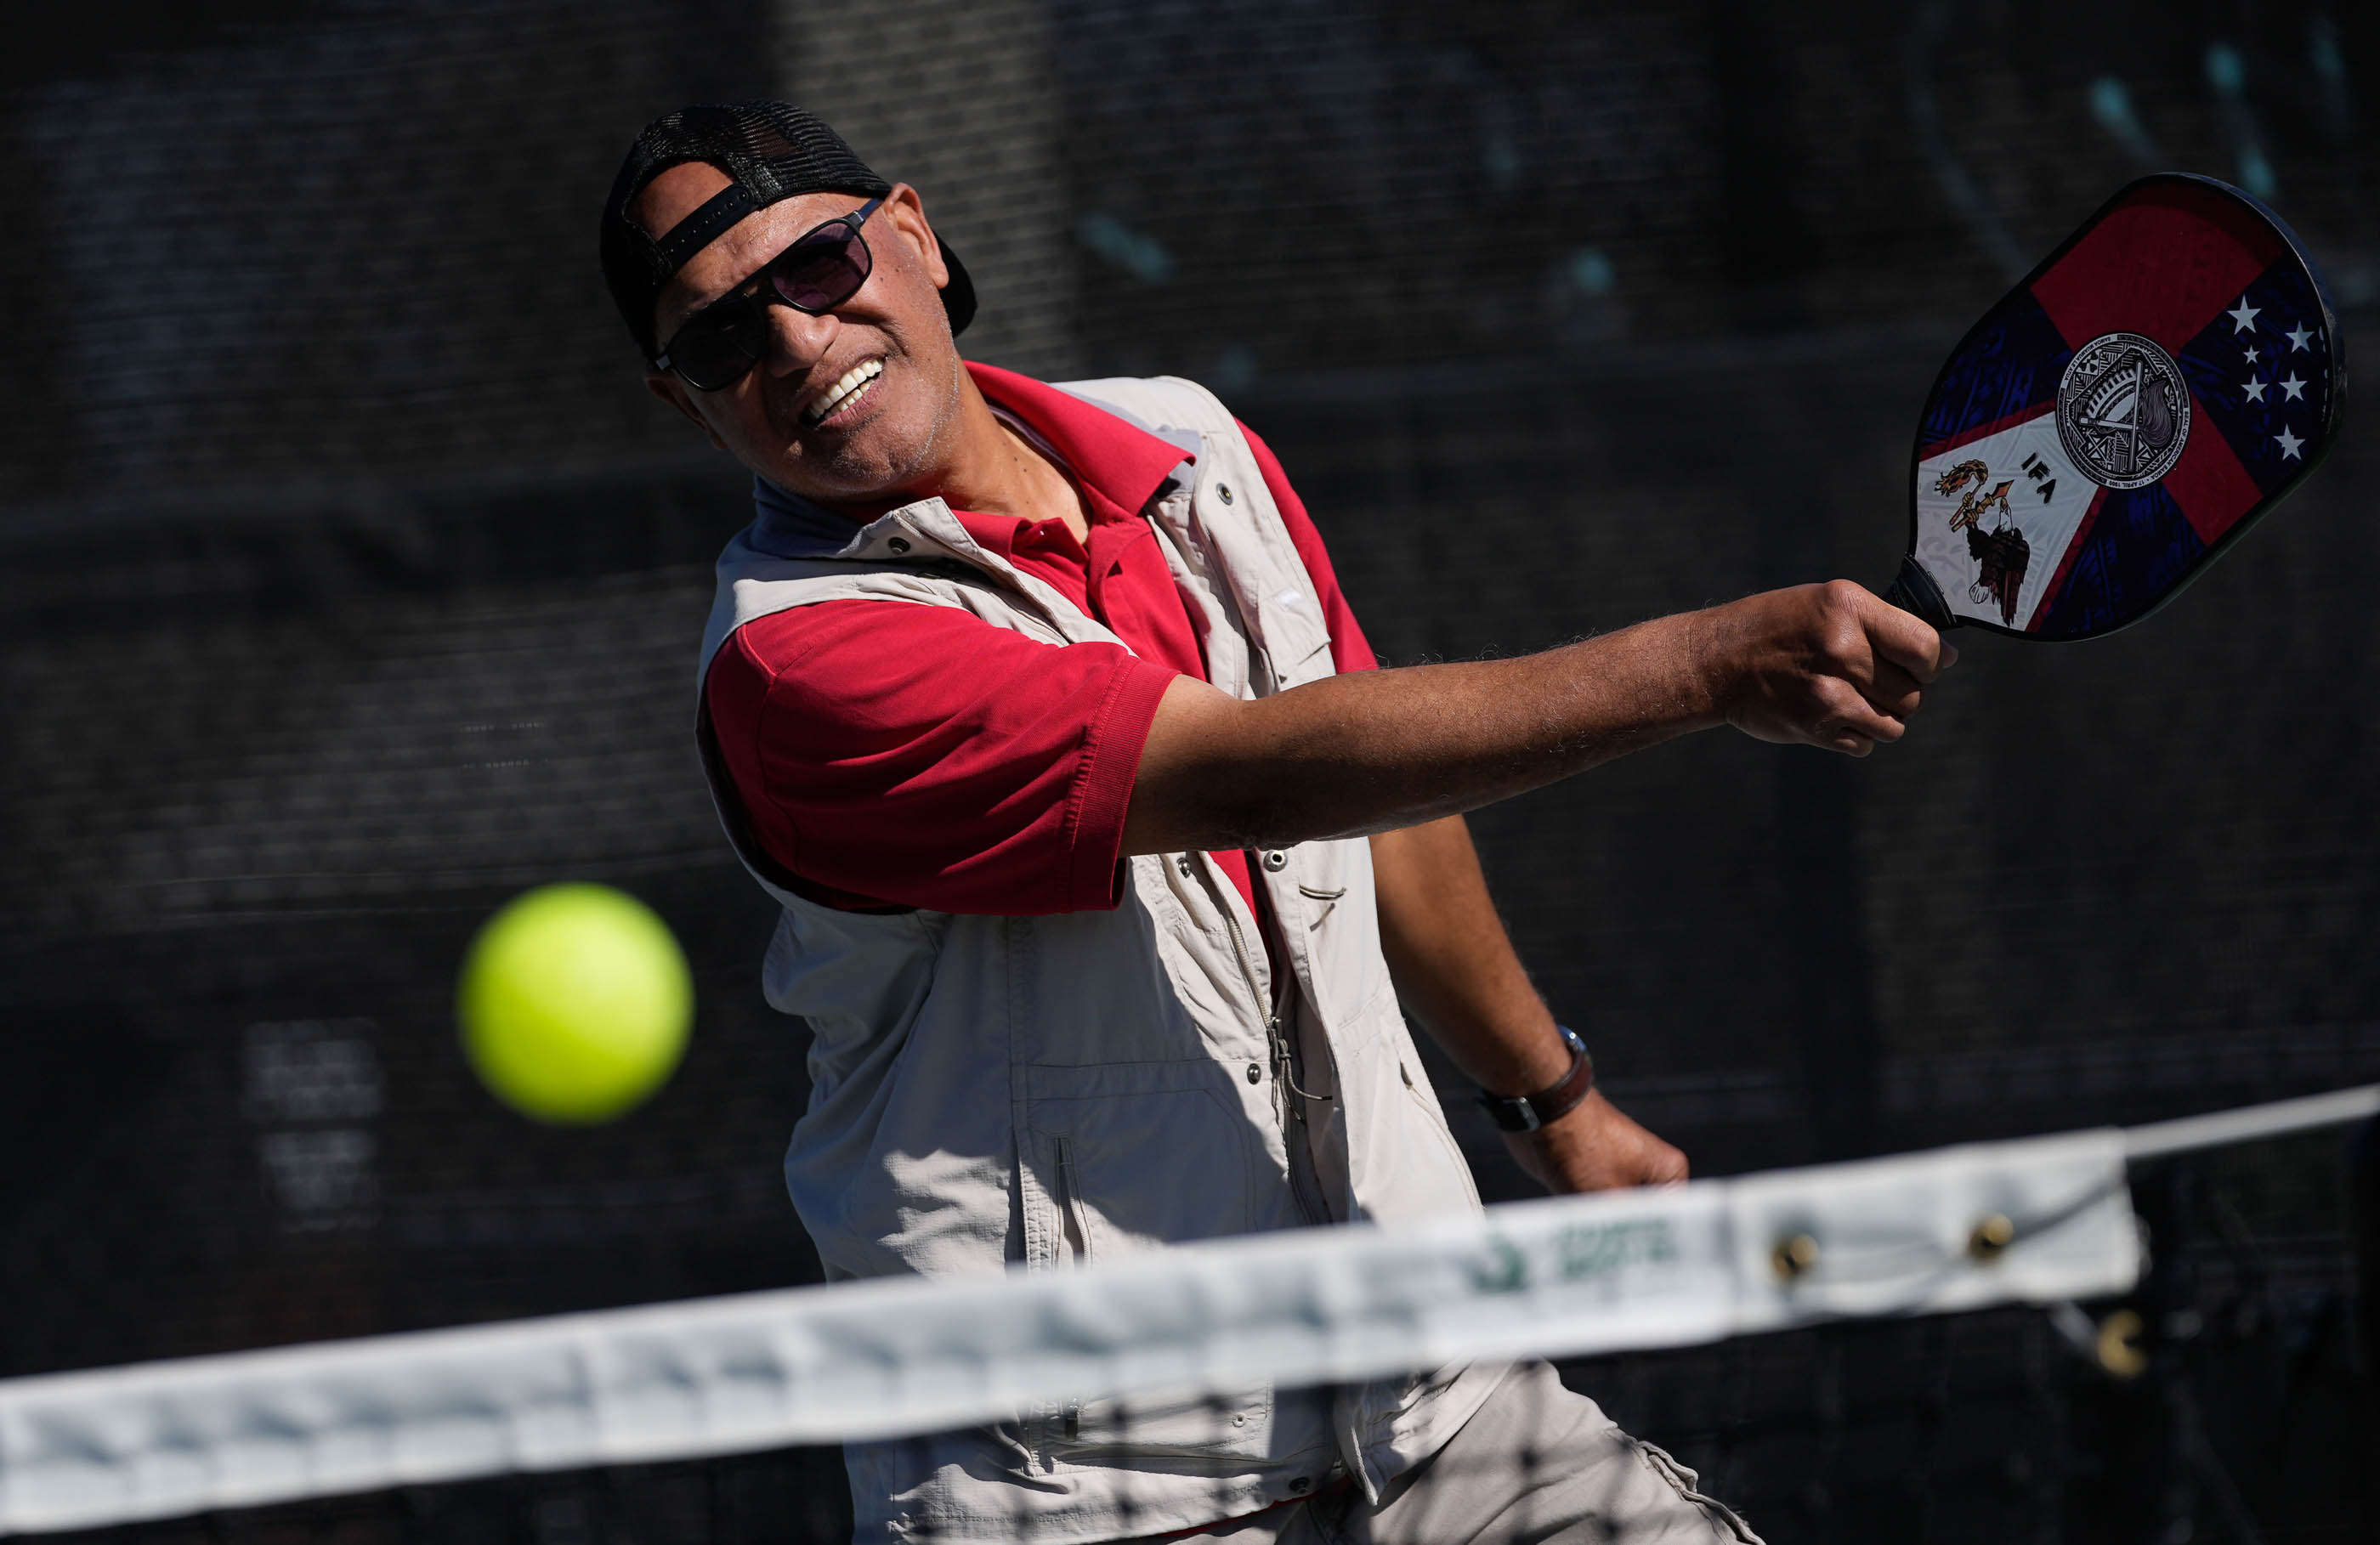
{"x": 773, "y": 151}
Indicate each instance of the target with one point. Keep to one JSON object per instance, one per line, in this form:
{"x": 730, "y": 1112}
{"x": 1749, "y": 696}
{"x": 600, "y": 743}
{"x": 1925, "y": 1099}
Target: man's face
{"x": 883, "y": 442}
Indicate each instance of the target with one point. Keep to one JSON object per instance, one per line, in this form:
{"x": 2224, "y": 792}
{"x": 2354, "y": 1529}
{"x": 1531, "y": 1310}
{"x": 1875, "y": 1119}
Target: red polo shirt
{"x": 890, "y": 755}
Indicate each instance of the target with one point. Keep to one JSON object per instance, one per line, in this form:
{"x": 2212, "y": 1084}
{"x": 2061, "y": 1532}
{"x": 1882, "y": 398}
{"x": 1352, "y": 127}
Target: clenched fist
{"x": 1829, "y": 665}
{"x": 1594, "y": 1148}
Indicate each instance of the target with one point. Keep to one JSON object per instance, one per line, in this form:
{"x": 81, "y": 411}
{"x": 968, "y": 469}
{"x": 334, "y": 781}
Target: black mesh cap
{"x": 773, "y": 150}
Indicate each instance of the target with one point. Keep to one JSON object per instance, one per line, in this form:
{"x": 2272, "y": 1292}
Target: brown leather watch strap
{"x": 1527, "y": 1112}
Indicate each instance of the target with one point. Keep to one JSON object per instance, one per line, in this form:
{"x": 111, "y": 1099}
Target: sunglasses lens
{"x": 816, "y": 274}
{"x": 822, "y": 269}
{"x": 717, "y": 347}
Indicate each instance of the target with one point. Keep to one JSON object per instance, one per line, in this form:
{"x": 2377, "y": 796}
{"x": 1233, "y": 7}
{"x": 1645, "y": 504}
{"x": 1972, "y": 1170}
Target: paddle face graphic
{"x": 2121, "y": 415}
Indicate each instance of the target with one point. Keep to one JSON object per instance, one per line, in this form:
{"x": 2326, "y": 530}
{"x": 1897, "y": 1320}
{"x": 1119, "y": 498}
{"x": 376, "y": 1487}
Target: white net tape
{"x": 2043, "y": 1220}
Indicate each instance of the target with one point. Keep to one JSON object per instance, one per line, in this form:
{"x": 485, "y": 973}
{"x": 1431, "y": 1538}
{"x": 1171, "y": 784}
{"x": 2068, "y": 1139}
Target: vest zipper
{"x": 1288, "y": 1100}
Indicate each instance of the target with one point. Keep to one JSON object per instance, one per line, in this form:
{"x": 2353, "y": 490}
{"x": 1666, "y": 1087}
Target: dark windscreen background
{"x": 350, "y": 582}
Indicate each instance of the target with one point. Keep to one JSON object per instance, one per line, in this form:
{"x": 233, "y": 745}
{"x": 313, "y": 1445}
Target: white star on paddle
{"x": 2294, "y": 387}
{"x": 2243, "y": 316}
{"x": 2297, "y": 336}
{"x": 2288, "y": 443}
{"x": 2254, "y": 388}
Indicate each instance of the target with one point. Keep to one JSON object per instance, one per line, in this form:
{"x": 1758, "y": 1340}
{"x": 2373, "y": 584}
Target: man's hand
{"x": 1829, "y": 665}
{"x": 1594, "y": 1148}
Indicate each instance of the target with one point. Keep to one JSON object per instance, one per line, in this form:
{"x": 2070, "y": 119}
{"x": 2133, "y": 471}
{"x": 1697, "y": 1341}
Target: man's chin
{"x": 878, "y": 452}
{"x": 849, "y": 470}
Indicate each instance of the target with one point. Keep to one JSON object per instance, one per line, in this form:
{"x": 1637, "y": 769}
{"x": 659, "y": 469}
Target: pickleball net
{"x": 1887, "y": 1310}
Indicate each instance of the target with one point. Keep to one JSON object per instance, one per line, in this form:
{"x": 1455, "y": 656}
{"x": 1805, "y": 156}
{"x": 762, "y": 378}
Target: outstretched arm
{"x": 1398, "y": 755}
{"x": 1455, "y": 969}
{"x": 1826, "y": 665}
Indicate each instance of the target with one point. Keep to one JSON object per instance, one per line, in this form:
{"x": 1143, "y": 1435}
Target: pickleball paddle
{"x": 2121, "y": 416}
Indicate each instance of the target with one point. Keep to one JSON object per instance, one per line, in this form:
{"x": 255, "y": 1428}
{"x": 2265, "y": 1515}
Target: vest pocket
{"x": 1127, "y": 1157}
{"x": 1427, "y": 1107}
{"x": 1402, "y": 1158}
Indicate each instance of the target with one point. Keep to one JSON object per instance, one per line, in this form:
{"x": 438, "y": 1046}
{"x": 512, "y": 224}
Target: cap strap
{"x": 703, "y": 227}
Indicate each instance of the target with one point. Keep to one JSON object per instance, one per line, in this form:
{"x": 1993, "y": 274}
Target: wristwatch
{"x": 1527, "y": 1112}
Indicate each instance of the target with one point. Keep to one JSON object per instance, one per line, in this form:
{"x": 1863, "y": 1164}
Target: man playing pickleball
{"x": 1106, "y": 855}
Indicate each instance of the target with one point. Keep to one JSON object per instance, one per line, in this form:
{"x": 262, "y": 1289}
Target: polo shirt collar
{"x": 1118, "y": 460}
{"x": 791, "y": 525}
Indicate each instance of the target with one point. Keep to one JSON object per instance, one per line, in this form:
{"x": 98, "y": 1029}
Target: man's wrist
{"x": 1527, "y": 1112}
{"x": 1706, "y": 655}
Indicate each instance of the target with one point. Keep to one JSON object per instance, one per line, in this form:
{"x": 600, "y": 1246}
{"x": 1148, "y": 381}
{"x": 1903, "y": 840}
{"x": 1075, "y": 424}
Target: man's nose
{"x": 798, "y": 340}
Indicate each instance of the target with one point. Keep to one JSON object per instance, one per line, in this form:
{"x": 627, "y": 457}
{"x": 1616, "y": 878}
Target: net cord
{"x": 2282, "y": 1117}
{"x": 2040, "y": 1220}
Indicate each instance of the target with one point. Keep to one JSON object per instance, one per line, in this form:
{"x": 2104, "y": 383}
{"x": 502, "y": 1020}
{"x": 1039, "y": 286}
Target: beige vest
{"x": 996, "y": 1093}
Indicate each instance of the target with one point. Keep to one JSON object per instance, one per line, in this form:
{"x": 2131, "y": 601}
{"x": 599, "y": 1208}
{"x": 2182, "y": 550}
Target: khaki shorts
{"x": 1537, "y": 1464}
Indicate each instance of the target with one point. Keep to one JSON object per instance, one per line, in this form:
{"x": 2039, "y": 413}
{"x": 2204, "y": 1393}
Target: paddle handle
{"x": 1913, "y": 590}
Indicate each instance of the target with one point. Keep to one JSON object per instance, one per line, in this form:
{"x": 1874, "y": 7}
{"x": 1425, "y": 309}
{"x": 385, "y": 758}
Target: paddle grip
{"x": 1913, "y": 590}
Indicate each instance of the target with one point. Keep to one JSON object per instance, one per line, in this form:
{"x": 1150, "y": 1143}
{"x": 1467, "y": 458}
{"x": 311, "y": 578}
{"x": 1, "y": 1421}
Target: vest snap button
{"x": 898, "y": 544}
{"x": 1256, "y": 1074}
{"x": 1223, "y": 493}
{"x": 1275, "y": 859}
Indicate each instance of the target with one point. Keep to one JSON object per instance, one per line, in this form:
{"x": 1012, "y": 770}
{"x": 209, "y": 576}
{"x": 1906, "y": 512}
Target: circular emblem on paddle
{"x": 2123, "y": 411}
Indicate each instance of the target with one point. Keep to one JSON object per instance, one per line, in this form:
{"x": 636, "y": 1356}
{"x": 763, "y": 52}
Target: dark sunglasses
{"x": 823, "y": 268}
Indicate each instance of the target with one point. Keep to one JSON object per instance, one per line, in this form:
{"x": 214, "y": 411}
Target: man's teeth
{"x": 852, "y": 381}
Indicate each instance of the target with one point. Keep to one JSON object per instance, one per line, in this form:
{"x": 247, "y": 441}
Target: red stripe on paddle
{"x": 2208, "y": 484}
{"x": 2163, "y": 265}
{"x": 1983, "y": 431}
{"x": 2066, "y": 564}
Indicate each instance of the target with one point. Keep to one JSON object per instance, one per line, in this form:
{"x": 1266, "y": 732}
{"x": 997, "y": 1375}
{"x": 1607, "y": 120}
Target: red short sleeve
{"x": 1349, "y": 648}
{"x": 892, "y": 753}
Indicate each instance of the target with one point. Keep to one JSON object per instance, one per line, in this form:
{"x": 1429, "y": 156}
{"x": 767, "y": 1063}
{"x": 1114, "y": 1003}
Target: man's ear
{"x": 665, "y": 385}
{"x": 908, "y": 216}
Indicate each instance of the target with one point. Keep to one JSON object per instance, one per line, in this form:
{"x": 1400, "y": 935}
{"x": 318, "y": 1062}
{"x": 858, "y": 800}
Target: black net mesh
{"x": 349, "y": 581}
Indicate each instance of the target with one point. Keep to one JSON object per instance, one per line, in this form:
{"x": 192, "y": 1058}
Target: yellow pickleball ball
{"x": 575, "y": 1004}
